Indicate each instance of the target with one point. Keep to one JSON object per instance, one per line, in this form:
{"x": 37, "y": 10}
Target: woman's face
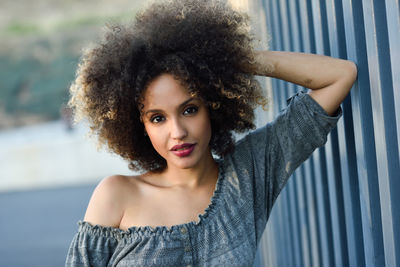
{"x": 177, "y": 124}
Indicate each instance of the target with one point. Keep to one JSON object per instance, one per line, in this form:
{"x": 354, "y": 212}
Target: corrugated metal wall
{"x": 341, "y": 207}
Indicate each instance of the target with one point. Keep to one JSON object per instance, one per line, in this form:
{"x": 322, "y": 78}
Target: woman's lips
{"x": 183, "y": 151}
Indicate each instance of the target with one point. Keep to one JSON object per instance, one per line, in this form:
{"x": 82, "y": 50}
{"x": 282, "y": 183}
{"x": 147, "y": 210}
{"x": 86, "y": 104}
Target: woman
{"x": 166, "y": 93}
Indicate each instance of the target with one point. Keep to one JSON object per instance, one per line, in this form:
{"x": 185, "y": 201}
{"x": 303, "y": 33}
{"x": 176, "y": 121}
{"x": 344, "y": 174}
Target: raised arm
{"x": 330, "y": 79}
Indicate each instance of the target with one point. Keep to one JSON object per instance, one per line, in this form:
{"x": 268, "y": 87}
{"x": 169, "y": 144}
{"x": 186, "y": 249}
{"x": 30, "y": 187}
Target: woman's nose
{"x": 177, "y": 130}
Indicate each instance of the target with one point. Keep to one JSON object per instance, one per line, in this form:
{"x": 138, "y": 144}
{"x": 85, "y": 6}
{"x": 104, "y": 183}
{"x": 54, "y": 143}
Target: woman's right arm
{"x": 282, "y": 145}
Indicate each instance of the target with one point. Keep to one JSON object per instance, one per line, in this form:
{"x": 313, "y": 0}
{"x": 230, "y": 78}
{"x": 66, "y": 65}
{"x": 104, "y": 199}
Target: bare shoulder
{"x": 108, "y": 202}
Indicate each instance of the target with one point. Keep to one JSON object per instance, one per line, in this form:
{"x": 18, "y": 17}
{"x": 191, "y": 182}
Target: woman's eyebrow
{"x": 186, "y": 101}
{"x": 180, "y": 106}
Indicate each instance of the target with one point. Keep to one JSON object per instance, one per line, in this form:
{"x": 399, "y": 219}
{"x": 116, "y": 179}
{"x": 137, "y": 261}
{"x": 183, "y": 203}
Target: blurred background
{"x": 48, "y": 168}
{"x": 339, "y": 210}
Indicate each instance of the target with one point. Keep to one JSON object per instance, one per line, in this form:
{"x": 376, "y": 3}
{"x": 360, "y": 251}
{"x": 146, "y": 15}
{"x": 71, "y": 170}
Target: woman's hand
{"x": 330, "y": 79}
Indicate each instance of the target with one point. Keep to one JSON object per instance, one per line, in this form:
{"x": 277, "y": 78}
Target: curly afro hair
{"x": 204, "y": 44}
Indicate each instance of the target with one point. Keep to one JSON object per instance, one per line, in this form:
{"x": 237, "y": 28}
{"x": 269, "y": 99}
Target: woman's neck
{"x": 204, "y": 172}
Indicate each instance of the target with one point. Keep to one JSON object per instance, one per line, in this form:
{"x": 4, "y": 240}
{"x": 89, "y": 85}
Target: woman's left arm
{"x": 330, "y": 79}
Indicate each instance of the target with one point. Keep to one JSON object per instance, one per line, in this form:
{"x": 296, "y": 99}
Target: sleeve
{"x": 277, "y": 149}
{"x": 90, "y": 247}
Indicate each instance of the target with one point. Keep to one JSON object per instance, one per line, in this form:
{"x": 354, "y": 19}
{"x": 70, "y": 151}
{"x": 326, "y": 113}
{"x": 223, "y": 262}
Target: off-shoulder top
{"x": 227, "y": 233}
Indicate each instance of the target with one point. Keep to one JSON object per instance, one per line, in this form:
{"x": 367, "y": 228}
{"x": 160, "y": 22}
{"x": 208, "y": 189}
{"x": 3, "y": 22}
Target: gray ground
{"x": 36, "y": 227}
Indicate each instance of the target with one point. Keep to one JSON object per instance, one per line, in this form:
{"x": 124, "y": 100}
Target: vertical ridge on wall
{"x": 339, "y": 208}
{"x": 334, "y": 18}
{"x": 363, "y": 129}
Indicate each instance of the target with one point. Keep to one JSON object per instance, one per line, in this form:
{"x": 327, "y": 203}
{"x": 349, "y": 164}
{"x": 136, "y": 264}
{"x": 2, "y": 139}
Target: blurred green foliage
{"x": 40, "y": 46}
{"x": 21, "y": 28}
{"x": 18, "y": 28}
{"x": 29, "y": 86}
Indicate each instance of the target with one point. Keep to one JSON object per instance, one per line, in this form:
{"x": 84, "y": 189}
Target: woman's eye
{"x": 157, "y": 119}
{"x": 190, "y": 110}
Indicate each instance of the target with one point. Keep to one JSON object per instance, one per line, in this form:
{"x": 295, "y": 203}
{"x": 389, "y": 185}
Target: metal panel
{"x": 339, "y": 208}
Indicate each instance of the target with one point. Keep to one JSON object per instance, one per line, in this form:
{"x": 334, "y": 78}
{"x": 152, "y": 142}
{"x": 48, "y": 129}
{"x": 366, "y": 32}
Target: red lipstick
{"x": 183, "y": 150}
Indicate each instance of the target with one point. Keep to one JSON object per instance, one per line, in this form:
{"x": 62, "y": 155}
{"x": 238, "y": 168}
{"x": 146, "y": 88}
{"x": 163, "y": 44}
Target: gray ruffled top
{"x": 227, "y": 233}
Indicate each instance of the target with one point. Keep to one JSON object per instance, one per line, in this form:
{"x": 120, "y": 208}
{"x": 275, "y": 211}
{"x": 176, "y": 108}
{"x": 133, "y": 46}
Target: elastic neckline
{"x": 162, "y": 229}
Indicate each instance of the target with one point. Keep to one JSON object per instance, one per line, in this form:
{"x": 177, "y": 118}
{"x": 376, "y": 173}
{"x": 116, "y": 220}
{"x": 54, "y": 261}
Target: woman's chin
{"x": 184, "y": 162}
{"x": 191, "y": 161}
{"x": 188, "y": 164}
